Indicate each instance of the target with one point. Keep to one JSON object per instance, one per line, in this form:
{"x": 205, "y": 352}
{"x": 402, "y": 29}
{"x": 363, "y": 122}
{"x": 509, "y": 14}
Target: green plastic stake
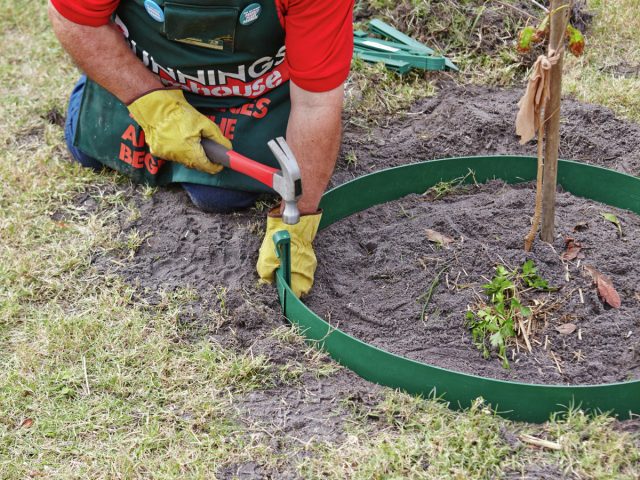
{"x": 378, "y": 44}
{"x": 386, "y": 30}
{"x": 282, "y": 241}
{"x": 381, "y": 28}
{"x": 399, "y": 66}
{"x": 422, "y": 62}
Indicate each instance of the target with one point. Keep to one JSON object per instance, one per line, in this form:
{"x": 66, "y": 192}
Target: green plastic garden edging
{"x": 519, "y": 401}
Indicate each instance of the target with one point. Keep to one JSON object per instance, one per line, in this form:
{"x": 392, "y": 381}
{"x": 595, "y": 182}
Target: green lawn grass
{"x": 96, "y": 383}
{"x": 609, "y": 72}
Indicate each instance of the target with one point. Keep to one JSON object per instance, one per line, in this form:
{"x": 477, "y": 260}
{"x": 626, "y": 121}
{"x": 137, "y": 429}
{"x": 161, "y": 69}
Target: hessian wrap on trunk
{"x": 230, "y": 57}
{"x": 535, "y": 98}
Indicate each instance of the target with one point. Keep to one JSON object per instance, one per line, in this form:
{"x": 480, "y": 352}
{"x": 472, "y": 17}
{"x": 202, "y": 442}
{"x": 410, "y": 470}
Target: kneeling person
{"x": 160, "y": 76}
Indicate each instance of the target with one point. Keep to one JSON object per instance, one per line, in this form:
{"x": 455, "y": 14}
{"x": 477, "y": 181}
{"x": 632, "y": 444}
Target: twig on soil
{"x": 86, "y": 377}
{"x": 265, "y": 431}
{"x": 429, "y": 293}
{"x": 555, "y": 359}
{"x": 539, "y": 442}
{"x": 455, "y": 282}
{"x": 513, "y": 7}
{"x": 578, "y": 355}
{"x": 539, "y": 5}
{"x": 523, "y": 332}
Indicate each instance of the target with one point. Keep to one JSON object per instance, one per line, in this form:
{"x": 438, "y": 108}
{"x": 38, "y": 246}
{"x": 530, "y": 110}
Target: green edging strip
{"x": 518, "y": 401}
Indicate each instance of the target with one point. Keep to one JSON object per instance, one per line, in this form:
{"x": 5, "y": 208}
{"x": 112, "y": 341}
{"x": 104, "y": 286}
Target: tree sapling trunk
{"x": 543, "y": 95}
{"x": 558, "y": 21}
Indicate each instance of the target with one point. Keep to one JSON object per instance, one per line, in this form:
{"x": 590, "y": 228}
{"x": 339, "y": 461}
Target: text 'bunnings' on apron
{"x": 228, "y": 56}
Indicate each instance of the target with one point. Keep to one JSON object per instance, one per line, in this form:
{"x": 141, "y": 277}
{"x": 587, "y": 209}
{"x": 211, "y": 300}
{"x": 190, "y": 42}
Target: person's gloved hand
{"x": 173, "y": 129}
{"x": 303, "y": 259}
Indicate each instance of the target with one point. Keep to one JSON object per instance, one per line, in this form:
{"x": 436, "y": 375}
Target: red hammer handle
{"x": 219, "y": 154}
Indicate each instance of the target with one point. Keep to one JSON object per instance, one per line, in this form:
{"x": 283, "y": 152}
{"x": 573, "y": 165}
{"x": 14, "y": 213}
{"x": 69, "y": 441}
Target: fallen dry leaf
{"x": 437, "y": 237}
{"x": 606, "y": 289}
{"x": 592, "y": 272}
{"x": 566, "y": 328}
{"x": 581, "y": 227}
{"x": 572, "y": 249}
{"x": 26, "y": 423}
{"x": 608, "y": 292}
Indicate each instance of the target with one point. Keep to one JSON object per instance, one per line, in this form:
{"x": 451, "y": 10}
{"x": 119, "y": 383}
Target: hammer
{"x": 285, "y": 181}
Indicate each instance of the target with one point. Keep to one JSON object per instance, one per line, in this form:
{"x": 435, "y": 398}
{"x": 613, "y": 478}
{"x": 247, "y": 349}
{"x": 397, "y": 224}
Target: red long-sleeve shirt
{"x": 318, "y": 35}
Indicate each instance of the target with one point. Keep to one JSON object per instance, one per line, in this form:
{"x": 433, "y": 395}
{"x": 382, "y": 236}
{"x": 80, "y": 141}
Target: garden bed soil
{"x": 474, "y": 120}
{"x": 377, "y": 266}
{"x": 185, "y": 247}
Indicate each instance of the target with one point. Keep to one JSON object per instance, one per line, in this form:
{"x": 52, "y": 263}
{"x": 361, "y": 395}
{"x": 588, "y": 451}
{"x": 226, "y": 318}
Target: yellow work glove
{"x": 303, "y": 259}
{"x": 173, "y": 129}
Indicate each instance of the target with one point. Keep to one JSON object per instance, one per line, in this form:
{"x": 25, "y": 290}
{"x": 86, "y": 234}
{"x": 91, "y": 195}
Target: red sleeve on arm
{"x": 319, "y": 42}
{"x": 92, "y": 13}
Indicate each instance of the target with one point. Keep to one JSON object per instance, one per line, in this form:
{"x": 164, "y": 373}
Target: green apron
{"x": 227, "y": 55}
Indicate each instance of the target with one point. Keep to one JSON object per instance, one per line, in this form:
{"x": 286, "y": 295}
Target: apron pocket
{"x": 203, "y": 26}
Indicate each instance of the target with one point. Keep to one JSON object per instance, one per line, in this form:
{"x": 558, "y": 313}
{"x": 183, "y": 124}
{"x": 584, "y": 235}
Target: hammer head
{"x": 287, "y": 183}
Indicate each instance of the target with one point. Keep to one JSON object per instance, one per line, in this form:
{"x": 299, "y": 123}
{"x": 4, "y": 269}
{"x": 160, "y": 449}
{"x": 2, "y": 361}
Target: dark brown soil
{"x": 376, "y": 267}
{"x": 466, "y": 121}
{"x": 207, "y": 252}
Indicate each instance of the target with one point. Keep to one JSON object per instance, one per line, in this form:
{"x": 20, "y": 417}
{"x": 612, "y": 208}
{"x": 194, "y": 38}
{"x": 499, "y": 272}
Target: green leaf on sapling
{"x": 576, "y": 41}
{"x": 525, "y": 39}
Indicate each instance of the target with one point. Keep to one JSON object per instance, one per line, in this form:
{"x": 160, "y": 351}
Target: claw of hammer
{"x": 287, "y": 182}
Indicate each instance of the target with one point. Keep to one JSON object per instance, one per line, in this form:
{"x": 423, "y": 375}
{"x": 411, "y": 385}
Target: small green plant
{"x": 495, "y": 324}
{"x": 610, "y": 217}
{"x": 148, "y": 191}
{"x": 442, "y": 189}
{"x": 351, "y": 159}
{"x": 531, "y": 278}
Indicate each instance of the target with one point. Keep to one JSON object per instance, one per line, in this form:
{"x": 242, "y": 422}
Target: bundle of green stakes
{"x": 397, "y": 51}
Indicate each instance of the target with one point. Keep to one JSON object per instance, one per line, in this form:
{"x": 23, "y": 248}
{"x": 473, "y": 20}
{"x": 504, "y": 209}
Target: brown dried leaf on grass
{"x": 605, "y": 287}
{"x": 26, "y": 423}
{"x": 439, "y": 238}
{"x": 572, "y": 249}
{"x": 566, "y": 328}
